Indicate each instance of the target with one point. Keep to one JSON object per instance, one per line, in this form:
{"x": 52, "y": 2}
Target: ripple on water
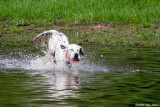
{"x": 24, "y": 76}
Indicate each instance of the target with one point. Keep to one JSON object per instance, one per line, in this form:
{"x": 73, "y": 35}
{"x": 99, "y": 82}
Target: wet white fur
{"x": 57, "y": 40}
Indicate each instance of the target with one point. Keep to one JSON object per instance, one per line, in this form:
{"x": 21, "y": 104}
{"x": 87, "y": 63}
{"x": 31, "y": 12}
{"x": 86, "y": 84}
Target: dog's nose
{"x": 76, "y": 55}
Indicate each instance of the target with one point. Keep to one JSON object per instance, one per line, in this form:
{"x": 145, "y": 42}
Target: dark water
{"x": 114, "y": 77}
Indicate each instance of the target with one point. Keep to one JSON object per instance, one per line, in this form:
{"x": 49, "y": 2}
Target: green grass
{"x": 126, "y": 22}
{"x": 80, "y": 11}
{"x": 122, "y": 35}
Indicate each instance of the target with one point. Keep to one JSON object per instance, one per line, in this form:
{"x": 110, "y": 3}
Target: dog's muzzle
{"x": 75, "y": 59}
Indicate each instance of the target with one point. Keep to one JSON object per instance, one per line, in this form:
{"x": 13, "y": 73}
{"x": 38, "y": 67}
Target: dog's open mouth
{"x": 76, "y": 59}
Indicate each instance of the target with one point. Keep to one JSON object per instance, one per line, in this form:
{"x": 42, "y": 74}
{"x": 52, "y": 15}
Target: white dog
{"x": 59, "y": 48}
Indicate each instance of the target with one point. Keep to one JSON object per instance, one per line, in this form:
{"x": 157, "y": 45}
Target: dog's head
{"x": 74, "y": 52}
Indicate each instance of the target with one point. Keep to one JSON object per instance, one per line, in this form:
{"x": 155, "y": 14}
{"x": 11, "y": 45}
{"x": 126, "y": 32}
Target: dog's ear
{"x": 81, "y": 51}
{"x": 63, "y": 47}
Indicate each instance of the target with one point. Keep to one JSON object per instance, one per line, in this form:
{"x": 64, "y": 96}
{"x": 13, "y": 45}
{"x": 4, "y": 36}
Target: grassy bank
{"x": 101, "y": 22}
{"x": 98, "y": 34}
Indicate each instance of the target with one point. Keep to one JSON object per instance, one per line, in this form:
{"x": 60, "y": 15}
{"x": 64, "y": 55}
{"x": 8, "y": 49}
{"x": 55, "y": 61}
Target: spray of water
{"x": 23, "y": 59}
{"x": 31, "y": 62}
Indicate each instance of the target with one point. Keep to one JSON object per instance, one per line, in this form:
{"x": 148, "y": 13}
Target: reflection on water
{"x": 37, "y": 87}
{"x": 61, "y": 84}
{"x": 117, "y": 77}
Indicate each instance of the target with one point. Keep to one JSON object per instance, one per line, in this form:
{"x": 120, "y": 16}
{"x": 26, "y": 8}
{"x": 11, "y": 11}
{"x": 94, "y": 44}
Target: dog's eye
{"x": 63, "y": 47}
{"x": 71, "y": 49}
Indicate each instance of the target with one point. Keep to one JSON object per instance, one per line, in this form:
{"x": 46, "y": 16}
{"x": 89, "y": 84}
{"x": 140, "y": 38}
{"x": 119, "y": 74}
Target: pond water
{"x": 105, "y": 77}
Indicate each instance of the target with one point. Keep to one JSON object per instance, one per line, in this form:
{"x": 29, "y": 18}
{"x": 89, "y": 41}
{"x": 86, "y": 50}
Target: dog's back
{"x": 57, "y": 46}
{"x": 57, "y": 40}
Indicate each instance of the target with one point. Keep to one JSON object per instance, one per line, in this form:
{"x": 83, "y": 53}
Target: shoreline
{"x": 103, "y": 34}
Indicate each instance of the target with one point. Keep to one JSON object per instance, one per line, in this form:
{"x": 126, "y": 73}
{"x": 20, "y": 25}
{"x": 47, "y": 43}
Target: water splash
{"x": 38, "y": 63}
{"x": 25, "y": 59}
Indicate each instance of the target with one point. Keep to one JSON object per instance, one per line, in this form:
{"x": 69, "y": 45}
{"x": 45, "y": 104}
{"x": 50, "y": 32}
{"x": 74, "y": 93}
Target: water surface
{"x": 114, "y": 77}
